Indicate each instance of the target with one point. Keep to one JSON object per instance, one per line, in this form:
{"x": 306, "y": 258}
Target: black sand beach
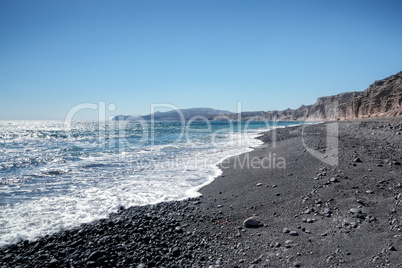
{"x": 311, "y": 214}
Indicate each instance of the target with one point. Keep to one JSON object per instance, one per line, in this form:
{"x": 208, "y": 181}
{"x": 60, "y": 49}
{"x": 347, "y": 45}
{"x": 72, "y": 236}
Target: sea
{"x": 56, "y": 175}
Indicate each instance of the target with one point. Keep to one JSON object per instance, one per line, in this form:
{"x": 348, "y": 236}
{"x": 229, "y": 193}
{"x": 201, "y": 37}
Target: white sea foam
{"x": 78, "y": 192}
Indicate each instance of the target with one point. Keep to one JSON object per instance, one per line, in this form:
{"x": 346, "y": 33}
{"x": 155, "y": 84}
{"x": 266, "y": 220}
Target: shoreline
{"x": 196, "y": 190}
{"x": 208, "y": 230}
{"x": 179, "y": 163}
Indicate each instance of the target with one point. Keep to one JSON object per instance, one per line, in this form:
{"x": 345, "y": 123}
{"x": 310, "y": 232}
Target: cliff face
{"x": 381, "y": 99}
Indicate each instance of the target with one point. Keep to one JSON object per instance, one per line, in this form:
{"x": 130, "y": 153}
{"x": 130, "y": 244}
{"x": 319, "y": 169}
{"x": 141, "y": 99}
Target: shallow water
{"x": 55, "y": 176}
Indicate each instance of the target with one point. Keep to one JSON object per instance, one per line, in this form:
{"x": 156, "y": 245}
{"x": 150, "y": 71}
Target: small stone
{"x": 309, "y": 220}
{"x": 54, "y": 263}
{"x": 334, "y": 180}
{"x": 252, "y": 222}
{"x": 275, "y": 244}
{"x": 327, "y": 211}
{"x": 357, "y": 160}
{"x": 296, "y": 264}
{"x": 95, "y": 255}
{"x": 259, "y": 184}
{"x": 285, "y": 230}
{"x": 356, "y": 210}
{"x": 392, "y": 248}
{"x": 294, "y": 233}
{"x": 369, "y": 192}
{"x": 358, "y": 216}
{"x": 176, "y": 252}
{"x": 307, "y": 211}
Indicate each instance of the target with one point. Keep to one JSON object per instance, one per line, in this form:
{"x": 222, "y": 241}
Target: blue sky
{"x": 269, "y": 55}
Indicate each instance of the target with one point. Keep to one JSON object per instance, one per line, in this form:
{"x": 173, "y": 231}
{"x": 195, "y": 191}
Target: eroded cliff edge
{"x": 381, "y": 99}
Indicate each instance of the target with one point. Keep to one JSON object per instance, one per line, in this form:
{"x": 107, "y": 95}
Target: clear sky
{"x": 270, "y": 55}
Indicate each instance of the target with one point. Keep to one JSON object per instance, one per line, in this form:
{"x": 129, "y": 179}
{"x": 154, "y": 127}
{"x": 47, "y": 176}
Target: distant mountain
{"x": 383, "y": 98}
{"x": 174, "y": 115}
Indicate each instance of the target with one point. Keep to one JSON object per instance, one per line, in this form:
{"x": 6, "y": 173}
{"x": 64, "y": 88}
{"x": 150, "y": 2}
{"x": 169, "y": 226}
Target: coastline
{"x": 208, "y": 230}
{"x": 195, "y": 192}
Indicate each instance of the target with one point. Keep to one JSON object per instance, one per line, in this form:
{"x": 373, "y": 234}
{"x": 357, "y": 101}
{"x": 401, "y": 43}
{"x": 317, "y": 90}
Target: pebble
{"x": 356, "y": 210}
{"x": 252, "y": 222}
{"x": 176, "y": 252}
{"x": 296, "y": 264}
{"x": 275, "y": 244}
{"x": 294, "y": 233}
{"x": 285, "y": 230}
{"x": 369, "y": 192}
{"x": 219, "y": 262}
{"x": 327, "y": 212}
{"x": 95, "y": 255}
{"x": 54, "y": 263}
{"x": 307, "y": 211}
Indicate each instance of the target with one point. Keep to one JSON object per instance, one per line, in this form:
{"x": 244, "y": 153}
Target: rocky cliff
{"x": 381, "y": 99}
